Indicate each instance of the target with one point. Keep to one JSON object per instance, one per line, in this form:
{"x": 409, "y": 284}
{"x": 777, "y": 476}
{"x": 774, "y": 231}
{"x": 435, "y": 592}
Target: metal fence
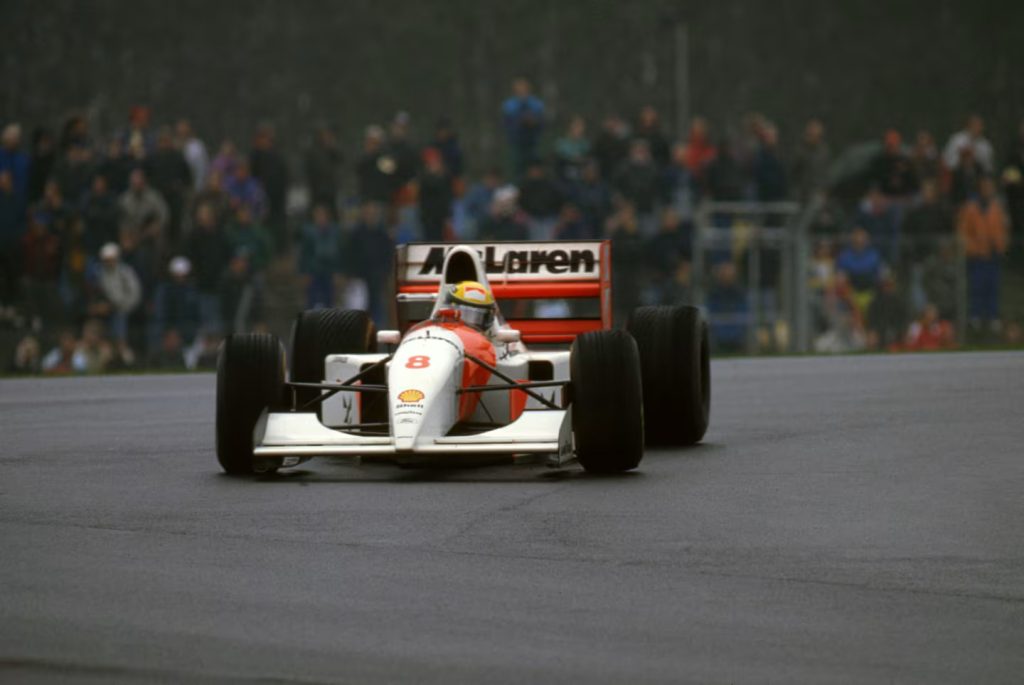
{"x": 773, "y": 247}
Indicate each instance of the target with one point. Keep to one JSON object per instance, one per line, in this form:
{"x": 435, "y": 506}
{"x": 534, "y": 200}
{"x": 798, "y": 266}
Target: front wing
{"x": 301, "y": 434}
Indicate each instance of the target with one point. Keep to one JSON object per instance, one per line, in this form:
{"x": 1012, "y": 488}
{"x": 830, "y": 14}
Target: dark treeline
{"x": 860, "y": 66}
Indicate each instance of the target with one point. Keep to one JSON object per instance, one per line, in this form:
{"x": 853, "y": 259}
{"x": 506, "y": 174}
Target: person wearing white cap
{"x": 120, "y": 291}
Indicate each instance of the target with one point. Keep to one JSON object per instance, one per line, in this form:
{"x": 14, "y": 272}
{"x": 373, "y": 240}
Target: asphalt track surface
{"x": 854, "y": 519}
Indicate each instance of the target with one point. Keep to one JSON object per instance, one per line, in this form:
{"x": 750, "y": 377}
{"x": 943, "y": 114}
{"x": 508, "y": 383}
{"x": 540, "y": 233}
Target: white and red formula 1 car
{"x": 460, "y": 382}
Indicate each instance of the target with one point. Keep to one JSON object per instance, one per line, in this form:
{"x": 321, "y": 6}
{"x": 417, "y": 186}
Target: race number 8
{"x": 419, "y": 361}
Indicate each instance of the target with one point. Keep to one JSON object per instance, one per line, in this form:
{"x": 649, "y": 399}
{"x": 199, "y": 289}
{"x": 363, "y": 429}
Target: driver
{"x": 473, "y": 301}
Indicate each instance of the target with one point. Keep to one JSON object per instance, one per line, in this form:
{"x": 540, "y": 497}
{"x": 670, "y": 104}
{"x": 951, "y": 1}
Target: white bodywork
{"x": 424, "y": 376}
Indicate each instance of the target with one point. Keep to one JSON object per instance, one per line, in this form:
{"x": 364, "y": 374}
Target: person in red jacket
{"x": 930, "y": 332}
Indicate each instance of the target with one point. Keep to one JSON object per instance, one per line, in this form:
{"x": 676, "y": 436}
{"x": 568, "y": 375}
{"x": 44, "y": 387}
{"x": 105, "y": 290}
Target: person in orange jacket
{"x": 983, "y": 228}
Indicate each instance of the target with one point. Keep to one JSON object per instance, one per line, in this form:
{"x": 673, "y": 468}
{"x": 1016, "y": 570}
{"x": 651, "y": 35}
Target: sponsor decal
{"x": 410, "y": 396}
{"x": 554, "y": 260}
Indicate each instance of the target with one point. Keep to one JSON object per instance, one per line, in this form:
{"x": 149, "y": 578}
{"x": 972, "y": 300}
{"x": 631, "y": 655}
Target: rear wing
{"x": 575, "y": 271}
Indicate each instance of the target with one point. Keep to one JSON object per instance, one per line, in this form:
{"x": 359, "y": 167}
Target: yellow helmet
{"x": 473, "y": 300}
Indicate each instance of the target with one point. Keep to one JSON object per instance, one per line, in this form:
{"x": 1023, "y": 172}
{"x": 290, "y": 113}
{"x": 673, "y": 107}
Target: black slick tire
{"x": 676, "y": 372}
{"x": 250, "y": 378}
{"x": 607, "y": 411}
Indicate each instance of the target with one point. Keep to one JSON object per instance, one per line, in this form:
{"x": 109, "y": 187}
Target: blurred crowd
{"x": 143, "y": 248}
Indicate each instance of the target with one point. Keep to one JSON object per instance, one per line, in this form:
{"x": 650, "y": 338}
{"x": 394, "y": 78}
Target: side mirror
{"x": 507, "y": 335}
{"x": 389, "y": 337}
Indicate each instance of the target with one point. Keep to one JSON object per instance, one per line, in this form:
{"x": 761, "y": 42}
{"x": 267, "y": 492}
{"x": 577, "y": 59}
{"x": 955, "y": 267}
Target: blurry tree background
{"x": 860, "y": 66}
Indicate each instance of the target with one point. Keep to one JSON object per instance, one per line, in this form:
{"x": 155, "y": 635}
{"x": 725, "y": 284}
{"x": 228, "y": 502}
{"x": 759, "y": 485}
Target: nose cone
{"x": 422, "y": 382}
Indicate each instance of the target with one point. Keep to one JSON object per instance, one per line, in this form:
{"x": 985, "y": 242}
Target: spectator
{"x": 118, "y": 294}
{"x": 665, "y": 251}
{"x": 64, "y": 358}
{"x": 844, "y": 328}
{"x": 208, "y": 252}
{"x": 75, "y": 260}
{"x": 53, "y": 210}
{"x": 700, "y": 153}
{"x": 724, "y": 176}
{"x": 447, "y": 142}
{"x": 623, "y": 229}
{"x": 648, "y": 129}
{"x": 611, "y": 146}
{"x": 244, "y": 189}
{"x": 506, "y": 221}
{"x": 862, "y": 265}
{"x": 679, "y": 188}
{"x": 479, "y": 197}
{"x": 972, "y": 137}
{"x": 116, "y": 167}
{"x": 370, "y": 254}
{"x": 99, "y": 210}
{"x": 74, "y": 171}
{"x": 924, "y": 158}
{"x": 592, "y": 195}
{"x": 14, "y": 161}
{"x": 12, "y": 231}
{"x": 169, "y": 173}
{"x": 214, "y": 195}
{"x": 769, "y": 173}
{"x": 270, "y": 169}
{"x": 95, "y": 353}
{"x": 142, "y": 209}
{"x": 320, "y": 258}
{"x": 194, "y": 151}
{"x": 137, "y": 140}
{"x": 940, "y": 277}
{"x": 44, "y": 156}
{"x": 375, "y": 170}
{"x": 892, "y": 171}
{"x": 572, "y": 225}
{"x": 41, "y": 262}
{"x": 322, "y": 163}
{"x": 240, "y": 301}
{"x": 728, "y": 310}
{"x": 247, "y": 235}
{"x": 887, "y": 315}
{"x": 402, "y": 150}
{"x": 226, "y": 160}
{"x": 541, "y": 198}
{"x": 930, "y": 332}
{"x": 983, "y": 230}
{"x": 639, "y": 182}
{"x": 435, "y": 197}
{"x": 925, "y": 224}
{"x": 810, "y": 162}
{"x": 881, "y": 218}
{"x": 75, "y": 133}
{"x": 964, "y": 179}
{"x": 523, "y": 117}
{"x": 176, "y": 315}
{"x": 571, "y": 150}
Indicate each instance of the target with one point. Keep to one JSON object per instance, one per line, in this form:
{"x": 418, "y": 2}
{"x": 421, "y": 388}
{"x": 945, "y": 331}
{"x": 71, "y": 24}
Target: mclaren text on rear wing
{"x": 576, "y": 274}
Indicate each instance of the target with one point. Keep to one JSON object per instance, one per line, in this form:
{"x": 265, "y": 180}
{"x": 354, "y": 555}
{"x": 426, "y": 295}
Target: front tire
{"x": 676, "y": 372}
{"x": 320, "y": 332}
{"x": 607, "y": 401}
{"x": 250, "y": 378}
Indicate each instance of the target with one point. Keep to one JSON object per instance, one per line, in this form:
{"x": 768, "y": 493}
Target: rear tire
{"x": 607, "y": 401}
{"x": 320, "y": 332}
{"x": 676, "y": 372}
{"x": 250, "y": 378}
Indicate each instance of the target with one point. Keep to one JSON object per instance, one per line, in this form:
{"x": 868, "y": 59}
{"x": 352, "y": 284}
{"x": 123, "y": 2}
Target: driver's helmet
{"x": 473, "y": 301}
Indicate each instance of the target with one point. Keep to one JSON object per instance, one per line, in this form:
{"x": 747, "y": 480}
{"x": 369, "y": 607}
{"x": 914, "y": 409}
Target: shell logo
{"x": 410, "y": 396}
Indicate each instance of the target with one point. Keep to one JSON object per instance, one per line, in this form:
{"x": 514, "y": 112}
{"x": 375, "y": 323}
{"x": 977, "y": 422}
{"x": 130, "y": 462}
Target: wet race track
{"x": 856, "y": 519}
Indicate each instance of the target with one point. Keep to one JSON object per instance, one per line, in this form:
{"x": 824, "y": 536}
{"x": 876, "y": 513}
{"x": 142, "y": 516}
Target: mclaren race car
{"x": 457, "y": 380}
